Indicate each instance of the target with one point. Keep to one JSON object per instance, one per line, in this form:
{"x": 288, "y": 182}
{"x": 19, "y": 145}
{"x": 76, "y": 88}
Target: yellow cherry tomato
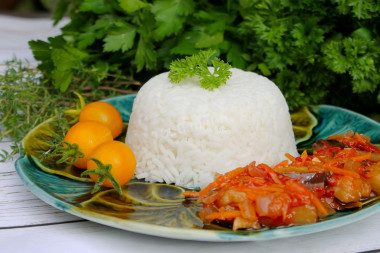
{"x": 88, "y": 135}
{"x": 119, "y": 156}
{"x": 104, "y": 113}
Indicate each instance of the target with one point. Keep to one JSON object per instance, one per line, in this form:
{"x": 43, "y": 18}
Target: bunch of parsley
{"x": 322, "y": 51}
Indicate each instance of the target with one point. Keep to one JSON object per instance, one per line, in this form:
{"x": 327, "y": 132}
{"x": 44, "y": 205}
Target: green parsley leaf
{"x": 41, "y": 49}
{"x": 362, "y": 9}
{"x": 65, "y": 60}
{"x": 208, "y": 40}
{"x": 104, "y": 22}
{"x": 121, "y": 39}
{"x": 132, "y": 5}
{"x": 60, "y": 10}
{"x": 363, "y": 85}
{"x": 62, "y": 78}
{"x": 197, "y": 65}
{"x": 170, "y": 16}
{"x": 185, "y": 44}
{"x": 145, "y": 55}
{"x": 86, "y": 39}
{"x": 96, "y": 6}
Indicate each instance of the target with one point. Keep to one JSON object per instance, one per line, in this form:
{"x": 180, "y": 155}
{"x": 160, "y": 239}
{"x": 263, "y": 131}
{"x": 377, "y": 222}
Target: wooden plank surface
{"x": 91, "y": 237}
{"x": 19, "y": 207}
{"x": 16, "y": 32}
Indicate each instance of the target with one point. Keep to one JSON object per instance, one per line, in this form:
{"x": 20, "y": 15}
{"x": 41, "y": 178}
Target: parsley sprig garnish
{"x": 197, "y": 65}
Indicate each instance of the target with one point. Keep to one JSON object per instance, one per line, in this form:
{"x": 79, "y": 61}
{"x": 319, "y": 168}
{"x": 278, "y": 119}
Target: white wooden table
{"x": 29, "y": 225}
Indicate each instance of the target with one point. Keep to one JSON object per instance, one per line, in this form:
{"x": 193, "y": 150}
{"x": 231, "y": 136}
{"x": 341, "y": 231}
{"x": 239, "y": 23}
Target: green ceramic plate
{"x": 160, "y": 210}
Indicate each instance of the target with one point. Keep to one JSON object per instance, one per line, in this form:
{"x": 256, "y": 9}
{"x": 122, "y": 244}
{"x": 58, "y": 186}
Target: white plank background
{"x": 29, "y": 225}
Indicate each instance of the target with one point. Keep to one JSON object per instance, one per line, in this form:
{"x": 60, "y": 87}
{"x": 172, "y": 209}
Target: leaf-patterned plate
{"x": 160, "y": 210}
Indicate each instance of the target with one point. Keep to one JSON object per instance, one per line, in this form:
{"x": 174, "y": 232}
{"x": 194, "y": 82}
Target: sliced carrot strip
{"x": 275, "y": 177}
{"x": 273, "y": 187}
{"x": 260, "y": 190}
{"x": 221, "y": 179}
{"x": 190, "y": 194}
{"x": 335, "y": 137}
{"x": 208, "y": 188}
{"x": 256, "y": 181}
{"x": 224, "y": 215}
{"x": 290, "y": 157}
{"x": 357, "y": 135}
{"x": 360, "y": 158}
{"x": 253, "y": 193}
{"x": 318, "y": 204}
{"x": 281, "y": 164}
{"x": 339, "y": 171}
{"x": 285, "y": 208}
{"x": 229, "y": 175}
{"x": 290, "y": 169}
{"x": 304, "y": 156}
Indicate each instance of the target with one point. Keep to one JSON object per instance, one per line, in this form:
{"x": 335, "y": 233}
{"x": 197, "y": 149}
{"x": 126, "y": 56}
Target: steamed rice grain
{"x": 184, "y": 134}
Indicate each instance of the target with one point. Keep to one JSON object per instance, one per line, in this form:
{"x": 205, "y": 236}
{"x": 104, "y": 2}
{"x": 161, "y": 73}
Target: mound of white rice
{"x": 184, "y": 134}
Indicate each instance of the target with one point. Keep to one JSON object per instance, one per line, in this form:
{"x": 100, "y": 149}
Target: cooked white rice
{"x": 184, "y": 134}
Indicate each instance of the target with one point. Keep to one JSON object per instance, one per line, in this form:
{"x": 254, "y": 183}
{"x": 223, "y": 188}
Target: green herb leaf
{"x": 235, "y": 56}
{"x": 132, "y": 5}
{"x": 197, "y": 65}
{"x": 41, "y": 50}
{"x": 170, "y": 16}
{"x": 60, "y": 10}
{"x": 62, "y": 79}
{"x": 208, "y": 40}
{"x": 96, "y": 6}
{"x": 185, "y": 44}
{"x": 86, "y": 39}
{"x": 145, "y": 55}
{"x": 65, "y": 60}
{"x": 121, "y": 39}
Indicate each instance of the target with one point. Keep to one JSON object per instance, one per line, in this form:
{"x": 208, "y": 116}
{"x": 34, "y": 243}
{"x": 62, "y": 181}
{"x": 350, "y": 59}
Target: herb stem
{"x": 124, "y": 82}
{"x": 116, "y": 90}
{"x": 10, "y": 130}
{"x": 104, "y": 88}
{"x": 28, "y": 114}
{"x": 6, "y": 116}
